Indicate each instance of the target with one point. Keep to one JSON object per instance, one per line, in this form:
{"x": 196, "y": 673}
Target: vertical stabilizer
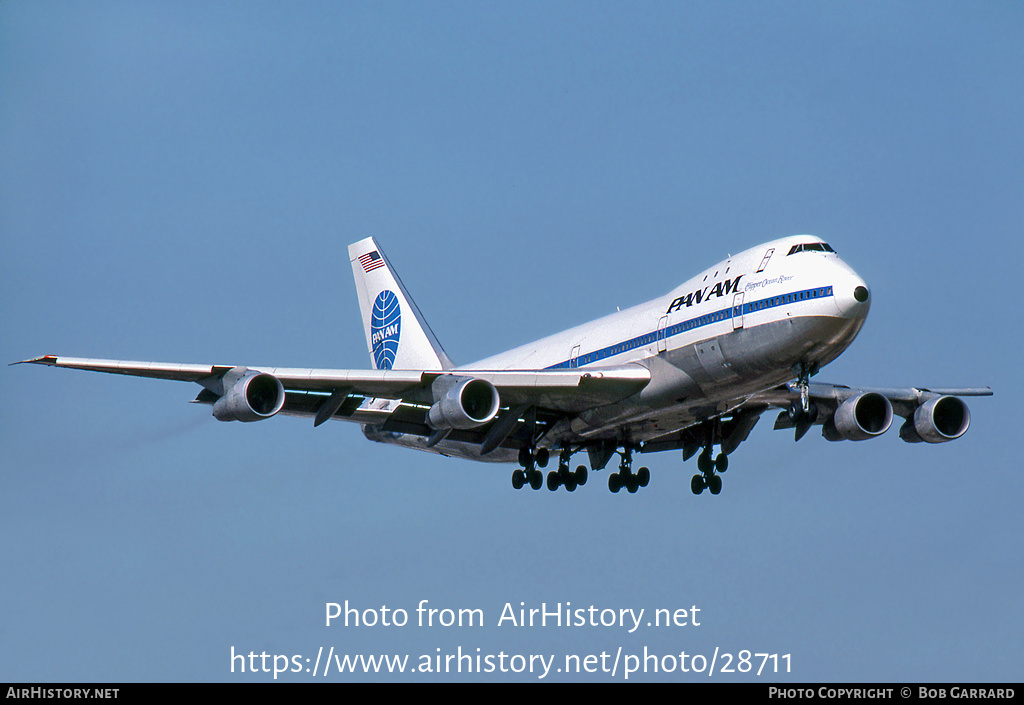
{"x": 396, "y": 334}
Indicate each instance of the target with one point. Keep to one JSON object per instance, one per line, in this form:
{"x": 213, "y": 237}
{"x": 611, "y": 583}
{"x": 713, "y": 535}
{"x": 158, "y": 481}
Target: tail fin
{"x": 396, "y": 341}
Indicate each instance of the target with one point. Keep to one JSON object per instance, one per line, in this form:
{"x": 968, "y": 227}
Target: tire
{"x": 697, "y": 484}
{"x": 715, "y": 484}
{"x": 704, "y": 462}
{"x": 536, "y": 479}
{"x": 721, "y": 462}
{"x": 614, "y": 482}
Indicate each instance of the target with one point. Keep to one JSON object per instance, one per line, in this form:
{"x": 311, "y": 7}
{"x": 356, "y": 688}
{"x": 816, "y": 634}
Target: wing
{"x": 933, "y": 415}
{"x": 844, "y": 413}
{"x": 254, "y": 393}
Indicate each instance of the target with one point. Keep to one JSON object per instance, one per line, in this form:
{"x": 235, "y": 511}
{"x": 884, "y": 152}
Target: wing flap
{"x": 568, "y": 391}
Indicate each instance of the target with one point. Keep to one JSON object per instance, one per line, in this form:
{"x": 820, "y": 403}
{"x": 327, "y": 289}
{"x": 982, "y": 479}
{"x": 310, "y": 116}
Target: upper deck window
{"x": 810, "y": 247}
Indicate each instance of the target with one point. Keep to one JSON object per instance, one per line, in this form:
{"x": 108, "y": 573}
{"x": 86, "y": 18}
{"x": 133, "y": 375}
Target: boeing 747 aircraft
{"x": 689, "y": 371}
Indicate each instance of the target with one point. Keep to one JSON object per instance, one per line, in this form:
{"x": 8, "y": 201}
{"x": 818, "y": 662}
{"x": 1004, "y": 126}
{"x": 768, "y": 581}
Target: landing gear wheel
{"x": 797, "y": 414}
{"x": 721, "y": 462}
{"x": 536, "y": 479}
{"x": 581, "y": 475}
{"x": 614, "y": 482}
{"x": 518, "y": 479}
{"x": 715, "y": 484}
{"x": 541, "y": 456}
{"x": 704, "y": 462}
{"x": 795, "y": 411}
{"x": 553, "y": 480}
{"x": 524, "y": 457}
{"x": 697, "y": 484}
{"x": 570, "y": 484}
{"x": 643, "y": 476}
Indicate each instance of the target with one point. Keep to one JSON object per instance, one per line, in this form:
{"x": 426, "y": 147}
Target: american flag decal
{"x": 371, "y": 261}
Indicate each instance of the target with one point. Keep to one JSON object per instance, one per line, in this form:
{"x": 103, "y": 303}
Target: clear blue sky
{"x": 179, "y": 182}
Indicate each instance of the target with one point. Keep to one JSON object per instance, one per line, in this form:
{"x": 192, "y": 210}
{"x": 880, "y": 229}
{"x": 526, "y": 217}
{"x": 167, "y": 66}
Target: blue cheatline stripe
{"x": 707, "y": 319}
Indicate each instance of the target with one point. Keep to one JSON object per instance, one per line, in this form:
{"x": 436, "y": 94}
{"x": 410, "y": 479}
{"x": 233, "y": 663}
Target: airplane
{"x": 689, "y": 370}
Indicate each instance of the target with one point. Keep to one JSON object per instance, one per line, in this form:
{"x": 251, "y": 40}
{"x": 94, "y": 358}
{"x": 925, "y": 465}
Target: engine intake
{"x": 863, "y": 416}
{"x": 253, "y": 396}
{"x": 938, "y": 420}
{"x": 467, "y": 404}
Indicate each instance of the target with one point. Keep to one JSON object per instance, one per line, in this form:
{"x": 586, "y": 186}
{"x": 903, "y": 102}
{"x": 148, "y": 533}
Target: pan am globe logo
{"x": 385, "y": 327}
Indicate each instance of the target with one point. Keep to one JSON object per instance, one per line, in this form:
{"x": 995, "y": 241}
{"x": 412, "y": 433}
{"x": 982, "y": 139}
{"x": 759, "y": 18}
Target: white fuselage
{"x": 734, "y": 329}
{"x": 737, "y": 328}
{"x": 703, "y": 308}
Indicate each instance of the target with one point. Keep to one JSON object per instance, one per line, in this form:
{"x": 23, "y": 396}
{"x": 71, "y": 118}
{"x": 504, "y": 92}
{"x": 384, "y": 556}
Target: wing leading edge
{"x": 564, "y": 391}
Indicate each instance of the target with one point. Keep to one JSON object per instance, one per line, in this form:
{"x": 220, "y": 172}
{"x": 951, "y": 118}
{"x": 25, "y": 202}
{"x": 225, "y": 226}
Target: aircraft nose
{"x": 853, "y": 297}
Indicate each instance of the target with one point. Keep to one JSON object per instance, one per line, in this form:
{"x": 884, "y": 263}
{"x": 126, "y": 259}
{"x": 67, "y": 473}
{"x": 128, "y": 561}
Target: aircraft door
{"x": 662, "y": 333}
{"x": 574, "y": 357}
{"x": 737, "y": 311}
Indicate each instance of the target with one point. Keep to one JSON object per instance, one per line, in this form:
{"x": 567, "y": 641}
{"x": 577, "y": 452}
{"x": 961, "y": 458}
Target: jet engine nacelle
{"x": 864, "y": 416}
{"x": 938, "y": 420}
{"x": 253, "y": 396}
{"x": 467, "y": 404}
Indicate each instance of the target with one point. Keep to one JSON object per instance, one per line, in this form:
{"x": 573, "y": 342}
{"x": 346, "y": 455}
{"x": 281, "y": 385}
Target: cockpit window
{"x": 810, "y": 247}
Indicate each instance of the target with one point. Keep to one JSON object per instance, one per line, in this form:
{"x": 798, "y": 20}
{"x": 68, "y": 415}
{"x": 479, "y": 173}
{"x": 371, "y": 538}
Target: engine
{"x": 938, "y": 420}
{"x": 864, "y": 416}
{"x": 467, "y": 403}
{"x": 251, "y": 396}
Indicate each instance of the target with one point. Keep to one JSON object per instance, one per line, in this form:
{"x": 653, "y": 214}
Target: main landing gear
{"x": 708, "y": 477}
{"x": 529, "y": 472}
{"x": 625, "y": 477}
{"x": 562, "y": 477}
{"x": 727, "y": 434}
{"x": 531, "y": 460}
{"x": 710, "y": 467}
